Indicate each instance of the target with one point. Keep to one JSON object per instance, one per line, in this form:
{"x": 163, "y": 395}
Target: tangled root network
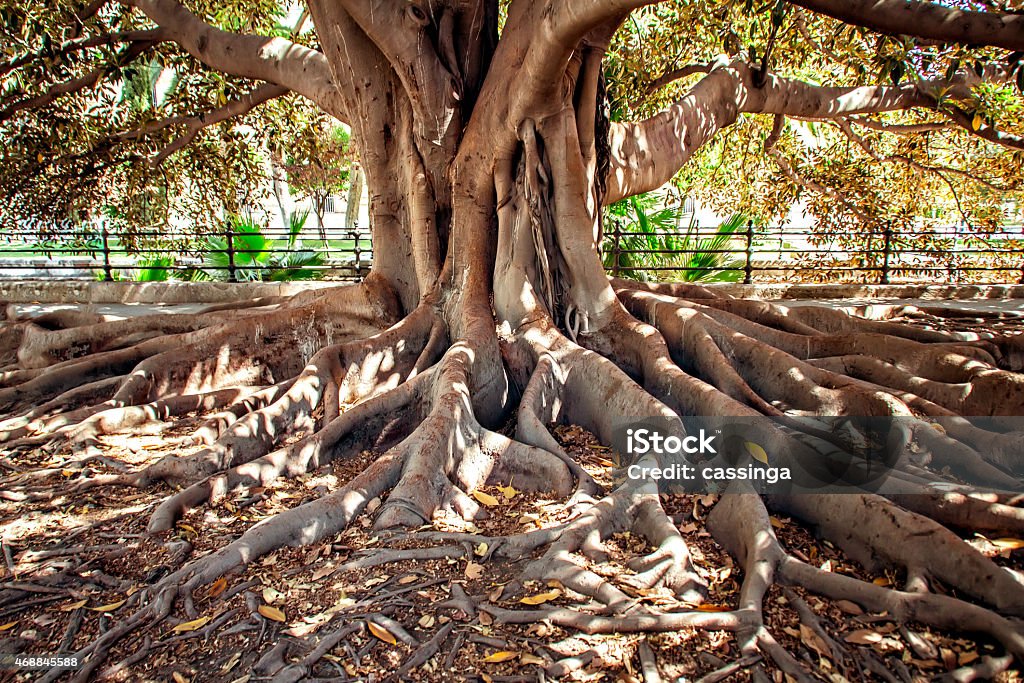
{"x": 417, "y": 419}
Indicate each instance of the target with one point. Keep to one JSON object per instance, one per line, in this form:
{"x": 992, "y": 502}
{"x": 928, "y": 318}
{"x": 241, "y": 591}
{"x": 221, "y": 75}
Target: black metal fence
{"x": 100, "y": 253}
{"x": 789, "y": 254}
{"x": 752, "y": 254}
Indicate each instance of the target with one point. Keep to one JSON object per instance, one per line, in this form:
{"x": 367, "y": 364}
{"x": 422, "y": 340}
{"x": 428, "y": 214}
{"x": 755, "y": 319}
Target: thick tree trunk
{"x": 488, "y": 165}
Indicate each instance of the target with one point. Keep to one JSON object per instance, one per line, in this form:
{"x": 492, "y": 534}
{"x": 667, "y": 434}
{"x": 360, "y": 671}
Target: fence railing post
{"x": 748, "y": 267}
{"x": 232, "y": 274}
{"x": 1021, "y": 280}
{"x": 616, "y": 248}
{"x": 886, "y": 252}
{"x": 108, "y": 274}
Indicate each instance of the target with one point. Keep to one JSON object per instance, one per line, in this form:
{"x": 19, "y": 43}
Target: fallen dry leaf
{"x": 8, "y": 626}
{"x": 272, "y": 613}
{"x": 709, "y": 607}
{"x": 322, "y": 572}
{"x": 849, "y": 607}
{"x": 474, "y": 570}
{"x": 541, "y": 598}
{"x": 193, "y": 625}
{"x": 218, "y": 587}
{"x": 381, "y": 633}
{"x": 426, "y": 621}
{"x": 863, "y": 636}
{"x": 108, "y": 608}
{"x": 499, "y": 656}
{"x": 812, "y": 640}
{"x": 73, "y": 606}
{"x": 485, "y": 498}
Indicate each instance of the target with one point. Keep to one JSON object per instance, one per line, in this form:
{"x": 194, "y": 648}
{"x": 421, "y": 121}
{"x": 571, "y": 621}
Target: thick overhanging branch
{"x": 237, "y": 107}
{"x": 927, "y": 20}
{"x": 646, "y": 154}
{"x": 274, "y": 60}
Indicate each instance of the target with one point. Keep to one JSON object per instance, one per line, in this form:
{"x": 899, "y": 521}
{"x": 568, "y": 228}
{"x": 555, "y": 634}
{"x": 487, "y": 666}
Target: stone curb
{"x": 90, "y": 292}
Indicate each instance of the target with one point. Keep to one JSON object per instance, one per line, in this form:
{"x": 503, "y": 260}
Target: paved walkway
{"x": 121, "y": 311}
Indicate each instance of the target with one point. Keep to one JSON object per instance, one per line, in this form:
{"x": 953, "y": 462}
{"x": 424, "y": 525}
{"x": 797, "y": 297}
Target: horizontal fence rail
{"x": 60, "y": 252}
{"x": 754, "y": 253}
{"x": 751, "y": 254}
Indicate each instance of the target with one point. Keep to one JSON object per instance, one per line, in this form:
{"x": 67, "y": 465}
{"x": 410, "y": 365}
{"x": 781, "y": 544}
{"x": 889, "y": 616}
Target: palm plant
{"x": 256, "y": 257}
{"x": 651, "y": 247}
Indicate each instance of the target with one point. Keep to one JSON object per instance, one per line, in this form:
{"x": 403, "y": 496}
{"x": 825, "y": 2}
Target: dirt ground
{"x": 388, "y": 606}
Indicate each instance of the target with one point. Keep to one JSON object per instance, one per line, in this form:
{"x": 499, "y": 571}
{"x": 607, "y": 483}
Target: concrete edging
{"x": 92, "y": 292}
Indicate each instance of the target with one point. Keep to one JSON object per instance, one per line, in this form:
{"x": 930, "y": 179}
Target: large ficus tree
{"x": 487, "y": 145}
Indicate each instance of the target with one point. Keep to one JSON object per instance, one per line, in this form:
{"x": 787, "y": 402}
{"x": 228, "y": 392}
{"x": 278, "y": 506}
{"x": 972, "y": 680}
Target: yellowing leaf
{"x": 864, "y": 636}
{"x": 272, "y": 613}
{"x": 480, "y": 550}
{"x": 474, "y": 570}
{"x": 485, "y": 498}
{"x": 108, "y": 608}
{"x": 73, "y": 606}
{"x": 500, "y": 656}
{"x": 541, "y": 598}
{"x": 976, "y": 122}
{"x": 508, "y": 492}
{"x": 756, "y": 452}
{"x": 1008, "y": 543}
{"x": 40, "y": 158}
{"x": 193, "y": 625}
{"x": 218, "y": 587}
{"x": 882, "y": 581}
{"x": 271, "y": 596}
{"x": 381, "y": 633}
{"x": 777, "y": 523}
{"x": 8, "y": 626}
{"x": 178, "y": 678}
{"x": 711, "y": 607}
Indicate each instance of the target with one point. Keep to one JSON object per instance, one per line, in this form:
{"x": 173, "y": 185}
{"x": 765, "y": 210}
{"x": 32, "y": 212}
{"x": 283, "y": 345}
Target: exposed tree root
{"x": 433, "y": 408}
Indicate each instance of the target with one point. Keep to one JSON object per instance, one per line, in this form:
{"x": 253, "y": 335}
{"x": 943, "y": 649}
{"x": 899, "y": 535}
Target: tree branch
{"x": 274, "y": 60}
{"x": 927, "y": 20}
{"x": 807, "y": 183}
{"x": 669, "y": 77}
{"x": 647, "y": 154}
{"x": 79, "y": 44}
{"x": 74, "y": 85}
{"x": 194, "y": 124}
{"x": 847, "y": 129}
{"x": 899, "y": 128}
